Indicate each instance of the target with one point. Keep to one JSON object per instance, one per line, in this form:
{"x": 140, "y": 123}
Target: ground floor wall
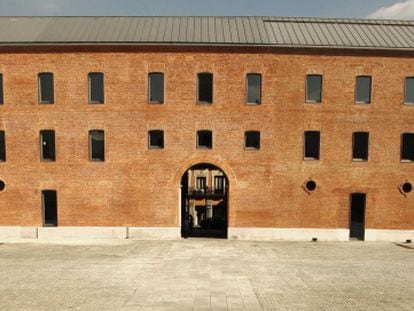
{"x": 266, "y": 202}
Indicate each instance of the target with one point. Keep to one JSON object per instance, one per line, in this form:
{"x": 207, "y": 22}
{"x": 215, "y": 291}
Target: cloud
{"x": 400, "y": 10}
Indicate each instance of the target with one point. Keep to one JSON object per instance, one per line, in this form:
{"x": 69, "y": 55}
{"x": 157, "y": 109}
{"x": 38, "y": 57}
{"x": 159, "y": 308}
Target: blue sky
{"x": 322, "y": 8}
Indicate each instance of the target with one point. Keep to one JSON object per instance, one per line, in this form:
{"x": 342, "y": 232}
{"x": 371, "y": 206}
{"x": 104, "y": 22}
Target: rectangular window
{"x": 2, "y": 146}
{"x": 313, "y": 88}
{"x": 156, "y": 88}
{"x": 1, "y": 89}
{"x": 409, "y": 90}
{"x": 156, "y": 139}
{"x": 49, "y": 207}
{"x": 201, "y": 183}
{"x": 96, "y": 88}
{"x": 46, "y": 92}
{"x": 363, "y": 90}
{"x": 204, "y": 139}
{"x": 252, "y": 140}
{"x": 97, "y": 145}
{"x": 407, "y": 148}
{"x": 205, "y": 88}
{"x": 312, "y": 145}
{"x": 219, "y": 183}
{"x": 360, "y": 146}
{"x": 254, "y": 88}
{"x": 47, "y": 145}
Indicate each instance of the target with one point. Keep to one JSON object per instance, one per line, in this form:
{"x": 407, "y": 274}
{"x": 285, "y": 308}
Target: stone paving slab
{"x": 202, "y": 274}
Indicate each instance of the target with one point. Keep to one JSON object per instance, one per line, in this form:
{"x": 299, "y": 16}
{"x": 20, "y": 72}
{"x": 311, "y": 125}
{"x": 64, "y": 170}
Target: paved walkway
{"x": 206, "y": 275}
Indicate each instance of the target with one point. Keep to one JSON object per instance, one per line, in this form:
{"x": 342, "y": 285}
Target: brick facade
{"x": 137, "y": 186}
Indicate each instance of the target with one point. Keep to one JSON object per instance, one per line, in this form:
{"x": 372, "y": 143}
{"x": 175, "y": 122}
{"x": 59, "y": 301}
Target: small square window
{"x": 407, "y": 147}
{"x": 97, "y": 145}
{"x": 313, "y": 88}
{"x": 46, "y": 91}
{"x": 204, "y": 139}
{"x": 156, "y": 88}
{"x": 252, "y": 140}
{"x": 156, "y": 139}
{"x": 360, "y": 146}
{"x": 96, "y": 88}
{"x": 363, "y": 90}
{"x": 47, "y": 145}
{"x": 205, "y": 88}
{"x": 254, "y": 89}
{"x": 312, "y": 145}
{"x": 409, "y": 90}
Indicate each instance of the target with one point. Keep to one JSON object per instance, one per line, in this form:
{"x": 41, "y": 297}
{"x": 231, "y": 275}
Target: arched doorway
{"x": 204, "y": 199}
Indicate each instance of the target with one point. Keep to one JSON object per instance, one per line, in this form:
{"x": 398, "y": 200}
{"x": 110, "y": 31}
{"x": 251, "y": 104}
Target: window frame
{"x": 91, "y": 148}
{"x": 198, "y": 88}
{"x": 96, "y": 102}
{"x": 39, "y": 79}
{"x": 308, "y": 101}
{"x": 202, "y": 147}
{"x": 42, "y": 158}
{"x": 356, "y": 90}
{"x": 353, "y": 146}
{"x": 305, "y": 158}
{"x": 405, "y": 91}
{"x": 4, "y": 147}
{"x": 150, "y": 101}
{"x": 247, "y": 89}
{"x": 156, "y": 147}
{"x": 404, "y": 160}
{"x": 245, "y": 140}
{"x": 1, "y": 89}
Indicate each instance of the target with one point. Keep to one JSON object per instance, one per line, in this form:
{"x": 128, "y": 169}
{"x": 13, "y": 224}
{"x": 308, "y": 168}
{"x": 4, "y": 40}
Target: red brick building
{"x": 309, "y": 121}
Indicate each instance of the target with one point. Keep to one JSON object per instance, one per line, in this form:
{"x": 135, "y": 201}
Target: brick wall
{"x": 136, "y": 186}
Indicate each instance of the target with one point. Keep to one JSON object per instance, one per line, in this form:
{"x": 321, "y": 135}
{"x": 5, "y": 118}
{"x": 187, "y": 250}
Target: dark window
{"x": 312, "y": 145}
{"x": 46, "y": 92}
{"x": 1, "y": 89}
{"x": 310, "y": 185}
{"x": 156, "y": 139}
{"x": 47, "y": 145}
{"x": 204, "y": 139}
{"x": 201, "y": 183}
{"x": 156, "y": 88}
{"x": 219, "y": 183}
{"x": 2, "y": 146}
{"x": 49, "y": 206}
{"x": 409, "y": 91}
{"x": 254, "y": 88}
{"x": 2, "y": 185}
{"x": 252, "y": 140}
{"x": 360, "y": 146}
{"x": 313, "y": 88}
{"x": 363, "y": 90}
{"x": 96, "y": 87}
{"x": 205, "y": 88}
{"x": 407, "y": 148}
{"x": 97, "y": 145}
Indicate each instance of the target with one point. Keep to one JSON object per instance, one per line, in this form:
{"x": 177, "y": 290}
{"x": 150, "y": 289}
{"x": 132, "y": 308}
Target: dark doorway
{"x": 357, "y": 218}
{"x": 204, "y": 198}
{"x": 49, "y": 205}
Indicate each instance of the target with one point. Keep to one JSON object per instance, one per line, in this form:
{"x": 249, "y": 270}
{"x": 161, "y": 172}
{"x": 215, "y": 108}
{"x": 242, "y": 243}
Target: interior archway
{"x": 204, "y": 202}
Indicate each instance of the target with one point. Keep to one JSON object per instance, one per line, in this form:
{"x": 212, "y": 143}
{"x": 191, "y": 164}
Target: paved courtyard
{"x": 203, "y": 274}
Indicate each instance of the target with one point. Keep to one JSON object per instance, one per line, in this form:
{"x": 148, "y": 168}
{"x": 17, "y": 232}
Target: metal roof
{"x": 190, "y": 30}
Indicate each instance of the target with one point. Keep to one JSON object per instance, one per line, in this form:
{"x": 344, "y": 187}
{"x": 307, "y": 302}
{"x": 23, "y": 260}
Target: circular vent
{"x": 310, "y": 185}
{"x": 2, "y": 185}
{"x": 407, "y": 187}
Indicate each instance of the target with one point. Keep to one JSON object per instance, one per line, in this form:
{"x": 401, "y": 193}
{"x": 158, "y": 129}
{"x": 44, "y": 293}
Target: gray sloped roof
{"x": 190, "y": 30}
